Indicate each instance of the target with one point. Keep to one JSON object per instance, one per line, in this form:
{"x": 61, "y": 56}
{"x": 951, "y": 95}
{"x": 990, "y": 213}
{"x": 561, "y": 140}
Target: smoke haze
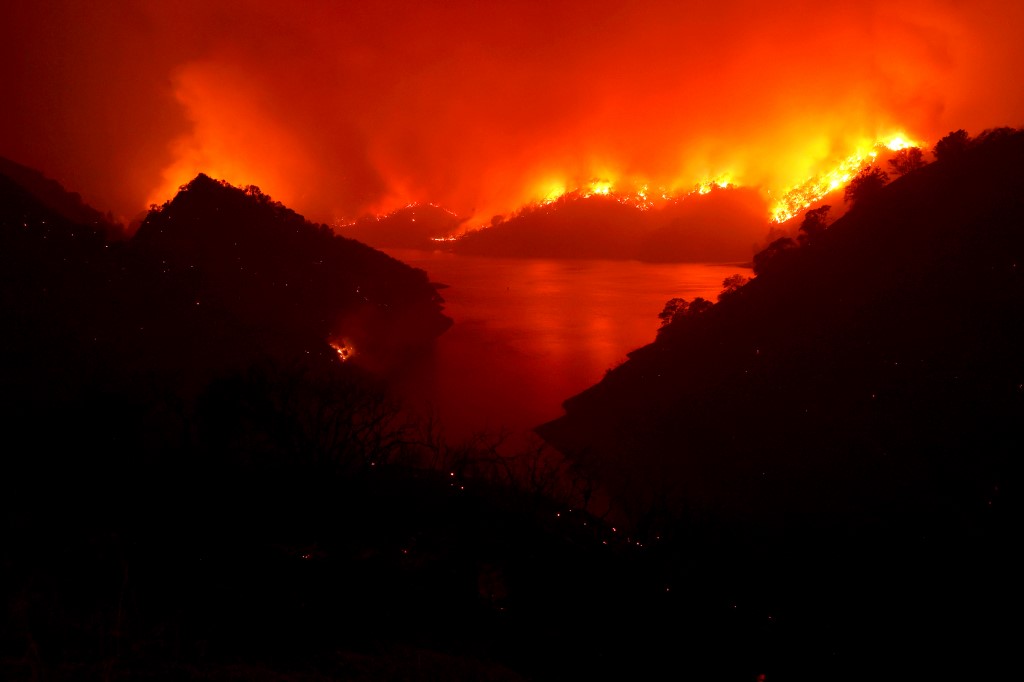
{"x": 339, "y": 109}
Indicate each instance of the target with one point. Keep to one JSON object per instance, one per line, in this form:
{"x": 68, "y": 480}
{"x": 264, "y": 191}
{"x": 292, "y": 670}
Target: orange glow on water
{"x": 550, "y": 329}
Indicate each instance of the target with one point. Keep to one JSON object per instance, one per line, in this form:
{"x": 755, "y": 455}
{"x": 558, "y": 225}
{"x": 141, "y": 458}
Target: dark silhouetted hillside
{"x": 858, "y": 369}
{"x": 724, "y": 225}
{"x": 815, "y": 470}
{"x": 219, "y": 280}
{"x": 55, "y": 277}
{"x": 54, "y": 197}
{"x": 851, "y": 416}
{"x": 195, "y": 486}
{"x": 285, "y": 284}
{"x": 571, "y": 227}
{"x": 411, "y": 227}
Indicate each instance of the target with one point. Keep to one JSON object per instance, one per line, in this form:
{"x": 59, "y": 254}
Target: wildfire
{"x": 804, "y": 195}
{"x": 637, "y": 194}
{"x": 789, "y": 204}
{"x": 898, "y": 142}
{"x": 634, "y": 196}
{"x": 705, "y": 186}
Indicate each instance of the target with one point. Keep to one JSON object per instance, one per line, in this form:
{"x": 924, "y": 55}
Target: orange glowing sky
{"x": 341, "y": 108}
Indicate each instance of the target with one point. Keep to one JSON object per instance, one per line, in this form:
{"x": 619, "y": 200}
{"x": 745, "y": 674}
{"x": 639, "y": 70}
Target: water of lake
{"x": 529, "y": 333}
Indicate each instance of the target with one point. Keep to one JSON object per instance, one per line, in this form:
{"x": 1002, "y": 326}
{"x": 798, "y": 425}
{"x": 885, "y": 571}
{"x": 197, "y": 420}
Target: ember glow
{"x": 343, "y": 110}
{"x": 343, "y": 348}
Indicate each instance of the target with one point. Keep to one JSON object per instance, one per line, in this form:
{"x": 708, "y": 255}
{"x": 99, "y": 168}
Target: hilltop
{"x": 723, "y": 225}
{"x": 416, "y": 226}
{"x": 57, "y": 200}
{"x": 217, "y": 276}
{"x": 877, "y": 360}
{"x": 286, "y": 280}
{"x": 850, "y": 416}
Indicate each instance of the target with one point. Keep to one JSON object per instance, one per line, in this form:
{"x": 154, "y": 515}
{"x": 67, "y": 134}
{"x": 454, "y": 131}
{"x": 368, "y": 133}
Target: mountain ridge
{"x": 911, "y": 295}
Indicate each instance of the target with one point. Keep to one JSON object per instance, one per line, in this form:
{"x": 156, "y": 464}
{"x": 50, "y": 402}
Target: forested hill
{"x": 104, "y": 336}
{"x": 843, "y": 430}
{"x": 285, "y": 280}
{"x": 55, "y": 198}
{"x": 726, "y": 224}
{"x": 870, "y": 373}
{"x": 218, "y": 274}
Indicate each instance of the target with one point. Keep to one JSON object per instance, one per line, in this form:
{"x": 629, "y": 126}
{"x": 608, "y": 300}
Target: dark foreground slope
{"x": 214, "y": 279}
{"x": 193, "y": 486}
{"x": 50, "y": 194}
{"x": 287, "y": 284}
{"x": 851, "y": 416}
{"x": 878, "y": 365}
{"x": 202, "y": 495}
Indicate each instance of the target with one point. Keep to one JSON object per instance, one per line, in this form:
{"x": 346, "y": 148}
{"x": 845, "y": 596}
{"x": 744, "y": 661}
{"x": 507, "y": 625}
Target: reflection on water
{"x": 529, "y": 333}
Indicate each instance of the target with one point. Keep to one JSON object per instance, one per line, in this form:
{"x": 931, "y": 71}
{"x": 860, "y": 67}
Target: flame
{"x": 344, "y": 349}
{"x": 633, "y": 193}
{"x": 400, "y": 101}
{"x": 898, "y": 142}
{"x": 785, "y": 202}
{"x": 557, "y": 191}
{"x": 814, "y": 189}
{"x": 636, "y": 195}
{"x": 226, "y": 148}
{"x": 707, "y": 185}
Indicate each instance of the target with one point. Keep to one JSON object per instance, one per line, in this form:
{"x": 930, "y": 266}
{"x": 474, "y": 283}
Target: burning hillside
{"x": 715, "y": 220}
{"x": 483, "y": 108}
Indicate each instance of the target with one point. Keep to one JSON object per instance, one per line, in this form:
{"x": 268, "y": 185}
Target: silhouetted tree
{"x": 906, "y": 160}
{"x": 996, "y": 134}
{"x": 815, "y": 222}
{"x": 314, "y": 417}
{"x": 699, "y": 305}
{"x": 866, "y": 185}
{"x": 952, "y": 146}
{"x": 770, "y": 253}
{"x": 678, "y": 308}
{"x": 731, "y": 285}
{"x": 675, "y": 306}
